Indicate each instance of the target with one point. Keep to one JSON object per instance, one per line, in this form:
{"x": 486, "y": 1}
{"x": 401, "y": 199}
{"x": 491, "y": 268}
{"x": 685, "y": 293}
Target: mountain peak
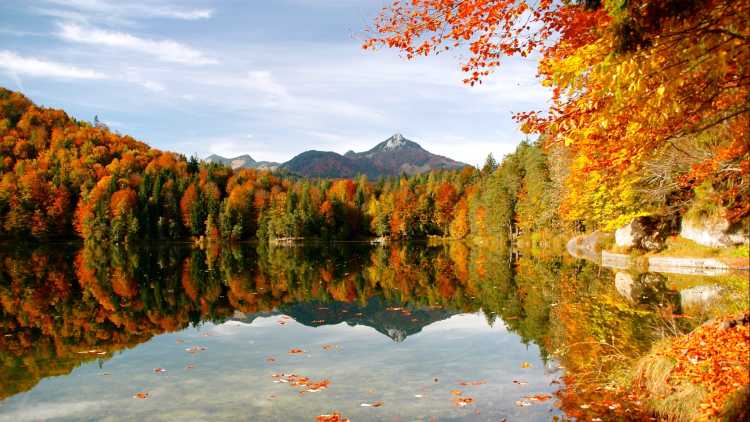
{"x": 395, "y": 142}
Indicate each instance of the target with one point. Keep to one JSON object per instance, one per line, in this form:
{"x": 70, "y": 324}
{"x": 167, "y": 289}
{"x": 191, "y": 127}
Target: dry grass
{"x": 674, "y": 403}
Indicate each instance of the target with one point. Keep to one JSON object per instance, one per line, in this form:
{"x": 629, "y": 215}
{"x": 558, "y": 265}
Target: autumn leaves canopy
{"x": 635, "y": 84}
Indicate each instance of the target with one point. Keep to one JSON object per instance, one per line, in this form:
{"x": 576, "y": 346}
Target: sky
{"x": 267, "y": 78}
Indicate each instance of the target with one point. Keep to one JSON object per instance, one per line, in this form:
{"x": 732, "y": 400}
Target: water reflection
{"x": 62, "y": 307}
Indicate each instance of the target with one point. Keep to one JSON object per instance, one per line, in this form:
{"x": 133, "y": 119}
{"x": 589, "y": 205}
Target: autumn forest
{"x": 605, "y": 258}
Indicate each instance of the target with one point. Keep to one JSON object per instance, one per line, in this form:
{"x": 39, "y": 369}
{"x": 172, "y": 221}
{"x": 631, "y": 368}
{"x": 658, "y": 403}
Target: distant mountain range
{"x": 243, "y": 161}
{"x": 391, "y": 157}
{"x": 390, "y": 319}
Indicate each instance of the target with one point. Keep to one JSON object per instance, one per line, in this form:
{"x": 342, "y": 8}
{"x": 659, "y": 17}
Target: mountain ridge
{"x": 390, "y": 157}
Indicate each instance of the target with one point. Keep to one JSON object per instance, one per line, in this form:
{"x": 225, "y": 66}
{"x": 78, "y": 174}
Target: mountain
{"x": 391, "y": 319}
{"x": 391, "y": 157}
{"x": 242, "y": 161}
{"x": 328, "y": 164}
{"x": 398, "y": 154}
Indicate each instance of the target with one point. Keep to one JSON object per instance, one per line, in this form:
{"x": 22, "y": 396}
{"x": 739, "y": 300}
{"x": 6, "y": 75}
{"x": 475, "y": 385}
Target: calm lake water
{"x": 213, "y": 334}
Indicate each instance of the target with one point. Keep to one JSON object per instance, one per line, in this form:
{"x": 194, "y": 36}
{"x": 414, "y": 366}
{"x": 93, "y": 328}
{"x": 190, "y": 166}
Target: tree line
{"x": 62, "y": 177}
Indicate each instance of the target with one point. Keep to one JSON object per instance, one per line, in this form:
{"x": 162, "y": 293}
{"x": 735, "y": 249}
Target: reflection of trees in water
{"x": 57, "y": 302}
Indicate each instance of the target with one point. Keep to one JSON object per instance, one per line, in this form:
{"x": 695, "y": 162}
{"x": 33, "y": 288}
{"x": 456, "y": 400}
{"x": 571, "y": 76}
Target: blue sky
{"x": 267, "y": 78}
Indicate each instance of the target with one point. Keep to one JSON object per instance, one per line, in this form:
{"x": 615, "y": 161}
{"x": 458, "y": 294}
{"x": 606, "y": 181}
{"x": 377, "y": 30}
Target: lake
{"x": 401, "y": 332}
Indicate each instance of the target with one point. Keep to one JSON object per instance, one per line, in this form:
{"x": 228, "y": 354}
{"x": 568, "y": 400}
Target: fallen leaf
{"x": 538, "y": 397}
{"x": 334, "y": 417}
{"x": 195, "y": 349}
{"x": 270, "y": 359}
{"x": 525, "y": 365}
{"x": 159, "y": 370}
{"x": 190, "y": 367}
{"x": 463, "y": 401}
{"x": 467, "y": 383}
{"x": 373, "y": 404}
{"x": 520, "y": 382}
{"x": 143, "y": 395}
{"x": 523, "y": 403}
{"x": 456, "y": 392}
{"x": 296, "y": 352}
{"x": 329, "y": 346}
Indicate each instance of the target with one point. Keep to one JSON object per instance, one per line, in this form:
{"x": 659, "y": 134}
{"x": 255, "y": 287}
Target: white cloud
{"x": 262, "y": 81}
{"x": 30, "y": 66}
{"x": 152, "y": 86}
{"x": 124, "y": 9}
{"x": 166, "y": 50}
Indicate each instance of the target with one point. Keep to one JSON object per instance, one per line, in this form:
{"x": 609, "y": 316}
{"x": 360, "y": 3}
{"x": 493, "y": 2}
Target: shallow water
{"x": 411, "y": 326}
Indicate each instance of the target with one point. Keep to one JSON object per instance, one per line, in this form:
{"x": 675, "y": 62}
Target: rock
{"x": 624, "y": 285}
{"x": 588, "y": 246}
{"x": 714, "y": 232}
{"x": 647, "y": 233}
{"x": 700, "y": 295}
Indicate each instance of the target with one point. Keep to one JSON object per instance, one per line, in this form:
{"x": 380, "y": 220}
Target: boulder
{"x": 714, "y": 232}
{"x": 646, "y": 233}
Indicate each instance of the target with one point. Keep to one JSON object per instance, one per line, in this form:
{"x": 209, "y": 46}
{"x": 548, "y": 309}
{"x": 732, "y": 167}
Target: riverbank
{"x": 699, "y": 369}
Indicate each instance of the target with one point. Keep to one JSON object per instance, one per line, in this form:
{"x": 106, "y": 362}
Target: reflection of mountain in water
{"x": 392, "y": 320}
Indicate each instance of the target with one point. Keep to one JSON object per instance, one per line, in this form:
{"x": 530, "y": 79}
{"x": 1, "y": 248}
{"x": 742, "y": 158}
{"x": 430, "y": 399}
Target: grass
{"x": 681, "y": 247}
{"x": 673, "y": 402}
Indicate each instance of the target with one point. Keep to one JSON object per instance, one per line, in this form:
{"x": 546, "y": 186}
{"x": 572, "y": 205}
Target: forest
{"x": 63, "y": 178}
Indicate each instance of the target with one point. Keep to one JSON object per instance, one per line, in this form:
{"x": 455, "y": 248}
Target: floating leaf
{"x": 143, "y": 395}
{"x": 159, "y": 370}
{"x": 195, "y": 349}
{"x": 468, "y": 383}
{"x": 463, "y": 401}
{"x": 296, "y": 352}
{"x": 333, "y": 417}
{"x": 373, "y": 404}
{"x": 456, "y": 392}
{"x": 525, "y": 365}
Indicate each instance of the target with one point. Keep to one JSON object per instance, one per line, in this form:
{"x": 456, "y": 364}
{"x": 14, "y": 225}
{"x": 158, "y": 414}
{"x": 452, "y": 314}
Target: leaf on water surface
{"x": 463, "y": 401}
{"x": 190, "y": 367}
{"x": 538, "y": 397}
{"x": 373, "y": 404}
{"x": 143, "y": 395}
{"x": 179, "y": 341}
{"x": 456, "y": 392}
{"x": 296, "y": 352}
{"x": 523, "y": 403}
{"x": 195, "y": 349}
{"x": 333, "y": 417}
{"x": 159, "y": 370}
{"x": 520, "y": 382}
{"x": 308, "y": 385}
{"x": 468, "y": 383}
{"x": 330, "y": 347}
{"x": 270, "y": 359}
{"x": 525, "y": 365}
